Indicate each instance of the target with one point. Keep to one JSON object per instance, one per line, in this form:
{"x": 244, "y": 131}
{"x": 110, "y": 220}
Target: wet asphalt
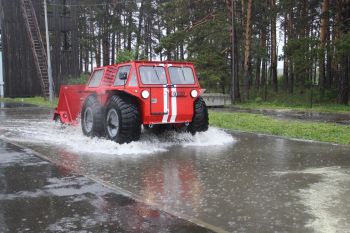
{"x": 36, "y": 196}
{"x": 224, "y": 181}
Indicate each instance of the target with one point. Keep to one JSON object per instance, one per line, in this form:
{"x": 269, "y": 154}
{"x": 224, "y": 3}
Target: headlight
{"x": 145, "y": 94}
{"x": 194, "y": 93}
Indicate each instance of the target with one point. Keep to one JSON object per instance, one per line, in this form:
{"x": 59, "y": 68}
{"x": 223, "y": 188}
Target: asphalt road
{"x": 225, "y": 181}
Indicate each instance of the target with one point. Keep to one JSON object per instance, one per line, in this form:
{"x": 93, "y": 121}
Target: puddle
{"x": 327, "y": 200}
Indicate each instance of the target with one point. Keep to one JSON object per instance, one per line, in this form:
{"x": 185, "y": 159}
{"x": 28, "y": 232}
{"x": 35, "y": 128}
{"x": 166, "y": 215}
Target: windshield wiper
{"x": 155, "y": 70}
{"x": 183, "y": 73}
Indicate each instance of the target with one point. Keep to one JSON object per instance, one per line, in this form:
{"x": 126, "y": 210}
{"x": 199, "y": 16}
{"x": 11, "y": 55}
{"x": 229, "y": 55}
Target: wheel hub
{"x": 88, "y": 119}
{"x": 112, "y": 123}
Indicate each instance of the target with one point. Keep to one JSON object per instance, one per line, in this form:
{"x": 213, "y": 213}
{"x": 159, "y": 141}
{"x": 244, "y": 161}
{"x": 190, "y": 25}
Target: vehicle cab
{"x": 166, "y": 90}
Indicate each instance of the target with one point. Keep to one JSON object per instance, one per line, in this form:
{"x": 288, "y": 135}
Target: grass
{"x": 40, "y": 101}
{"x": 333, "y": 108}
{"x": 299, "y": 101}
{"x": 255, "y": 123}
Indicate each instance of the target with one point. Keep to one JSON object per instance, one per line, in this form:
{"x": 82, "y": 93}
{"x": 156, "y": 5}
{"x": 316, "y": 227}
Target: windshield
{"x": 181, "y": 75}
{"x": 153, "y": 75}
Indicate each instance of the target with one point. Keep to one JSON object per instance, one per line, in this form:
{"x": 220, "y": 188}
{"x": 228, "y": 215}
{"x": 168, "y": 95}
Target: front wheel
{"x": 200, "y": 120}
{"x": 122, "y": 121}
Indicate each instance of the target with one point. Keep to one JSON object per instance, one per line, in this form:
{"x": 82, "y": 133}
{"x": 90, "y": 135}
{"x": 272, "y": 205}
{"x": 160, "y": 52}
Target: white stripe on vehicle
{"x": 173, "y": 104}
{"x": 165, "y": 104}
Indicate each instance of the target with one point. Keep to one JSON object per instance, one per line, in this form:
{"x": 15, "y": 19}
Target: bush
{"x": 82, "y": 79}
{"x": 259, "y": 100}
{"x": 125, "y": 56}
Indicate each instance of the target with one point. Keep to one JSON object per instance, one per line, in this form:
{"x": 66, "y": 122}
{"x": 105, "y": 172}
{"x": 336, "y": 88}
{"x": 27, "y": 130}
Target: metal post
{"x": 49, "y": 70}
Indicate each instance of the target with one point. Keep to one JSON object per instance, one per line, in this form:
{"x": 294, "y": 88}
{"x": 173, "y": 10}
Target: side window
{"x": 133, "y": 79}
{"x": 153, "y": 75}
{"x": 123, "y": 69}
{"x": 181, "y": 75}
{"x": 96, "y": 78}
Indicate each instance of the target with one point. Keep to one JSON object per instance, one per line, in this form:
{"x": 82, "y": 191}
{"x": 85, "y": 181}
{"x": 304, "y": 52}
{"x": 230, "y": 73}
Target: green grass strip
{"x": 40, "y": 101}
{"x": 332, "y": 108}
{"x": 324, "y": 132}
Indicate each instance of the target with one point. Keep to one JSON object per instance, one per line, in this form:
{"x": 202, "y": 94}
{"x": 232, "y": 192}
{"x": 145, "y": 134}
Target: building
{"x": 21, "y": 75}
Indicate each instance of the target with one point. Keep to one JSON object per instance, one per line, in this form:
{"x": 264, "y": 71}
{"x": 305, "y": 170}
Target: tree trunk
{"x": 113, "y": 49}
{"x": 323, "y": 36}
{"x": 105, "y": 49}
{"x": 343, "y": 93}
{"x": 106, "y": 36}
{"x": 168, "y": 51}
{"x": 130, "y": 22}
{"x": 258, "y": 61}
{"x": 344, "y": 28}
{"x": 231, "y": 8}
{"x": 273, "y": 47}
{"x": 289, "y": 59}
{"x": 139, "y": 30}
{"x": 285, "y": 60}
{"x": 247, "y": 48}
{"x": 98, "y": 53}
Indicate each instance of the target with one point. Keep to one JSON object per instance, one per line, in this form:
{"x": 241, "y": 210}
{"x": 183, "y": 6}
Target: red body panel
{"x": 167, "y": 104}
{"x": 69, "y": 103}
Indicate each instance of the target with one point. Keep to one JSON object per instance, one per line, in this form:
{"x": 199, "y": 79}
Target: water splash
{"x": 72, "y": 138}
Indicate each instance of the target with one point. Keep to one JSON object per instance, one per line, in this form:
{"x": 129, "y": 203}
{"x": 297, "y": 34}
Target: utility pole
{"x": 233, "y": 52}
{"x": 49, "y": 70}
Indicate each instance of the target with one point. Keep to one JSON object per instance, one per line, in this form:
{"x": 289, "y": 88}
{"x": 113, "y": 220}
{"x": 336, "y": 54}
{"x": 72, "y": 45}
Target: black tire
{"x": 157, "y": 129}
{"x": 92, "y": 117}
{"x": 122, "y": 120}
{"x": 200, "y": 120}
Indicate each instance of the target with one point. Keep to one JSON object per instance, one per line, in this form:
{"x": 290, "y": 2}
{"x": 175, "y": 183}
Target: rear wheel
{"x": 92, "y": 117}
{"x": 122, "y": 121}
{"x": 200, "y": 120}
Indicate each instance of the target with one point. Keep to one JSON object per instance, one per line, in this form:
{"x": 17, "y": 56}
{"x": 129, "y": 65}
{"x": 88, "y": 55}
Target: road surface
{"x": 225, "y": 181}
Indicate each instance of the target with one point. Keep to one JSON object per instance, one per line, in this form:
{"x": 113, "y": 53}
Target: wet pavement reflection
{"x": 36, "y": 196}
{"x": 247, "y": 183}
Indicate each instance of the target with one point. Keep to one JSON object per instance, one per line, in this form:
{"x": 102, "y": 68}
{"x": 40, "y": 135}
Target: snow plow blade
{"x": 69, "y": 103}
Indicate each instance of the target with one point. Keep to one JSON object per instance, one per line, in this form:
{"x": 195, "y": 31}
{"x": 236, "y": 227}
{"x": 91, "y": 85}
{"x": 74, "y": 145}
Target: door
{"x": 154, "y": 77}
{"x": 182, "y": 83}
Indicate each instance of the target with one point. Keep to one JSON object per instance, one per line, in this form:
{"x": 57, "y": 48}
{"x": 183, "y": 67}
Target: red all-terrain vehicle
{"x": 118, "y": 99}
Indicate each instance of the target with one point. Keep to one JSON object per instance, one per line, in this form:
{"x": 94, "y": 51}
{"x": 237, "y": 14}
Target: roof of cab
{"x": 149, "y": 62}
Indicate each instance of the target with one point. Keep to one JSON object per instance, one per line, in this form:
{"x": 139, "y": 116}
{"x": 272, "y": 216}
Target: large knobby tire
{"x": 200, "y": 120}
{"x": 92, "y": 117}
{"x": 122, "y": 120}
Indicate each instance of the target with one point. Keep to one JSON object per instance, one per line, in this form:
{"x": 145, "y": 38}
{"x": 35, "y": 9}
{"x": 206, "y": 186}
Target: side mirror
{"x": 123, "y": 76}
